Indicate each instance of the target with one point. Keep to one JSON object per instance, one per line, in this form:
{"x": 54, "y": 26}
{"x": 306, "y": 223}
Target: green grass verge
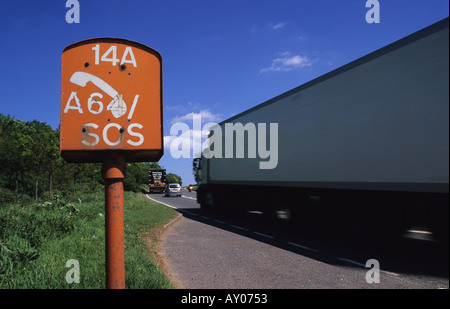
{"x": 37, "y": 239}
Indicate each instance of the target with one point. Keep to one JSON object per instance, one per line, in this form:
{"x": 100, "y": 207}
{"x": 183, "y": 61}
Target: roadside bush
{"x": 8, "y": 196}
{"x": 38, "y": 238}
{"x": 24, "y": 227}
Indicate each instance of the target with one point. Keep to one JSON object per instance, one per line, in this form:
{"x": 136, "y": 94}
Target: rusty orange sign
{"x": 111, "y": 100}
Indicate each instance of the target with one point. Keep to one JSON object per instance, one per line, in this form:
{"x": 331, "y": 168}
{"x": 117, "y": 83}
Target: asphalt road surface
{"x": 203, "y": 251}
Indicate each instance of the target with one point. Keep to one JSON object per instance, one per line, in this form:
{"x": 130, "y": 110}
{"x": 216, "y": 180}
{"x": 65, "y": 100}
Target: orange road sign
{"x": 111, "y": 100}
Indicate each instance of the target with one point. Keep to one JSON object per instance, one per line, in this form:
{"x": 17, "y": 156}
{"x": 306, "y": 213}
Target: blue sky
{"x": 219, "y": 57}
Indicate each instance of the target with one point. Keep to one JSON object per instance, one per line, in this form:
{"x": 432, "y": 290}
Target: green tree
{"x": 174, "y": 178}
{"x": 137, "y": 174}
{"x": 14, "y": 142}
{"x": 41, "y": 151}
{"x": 30, "y": 163}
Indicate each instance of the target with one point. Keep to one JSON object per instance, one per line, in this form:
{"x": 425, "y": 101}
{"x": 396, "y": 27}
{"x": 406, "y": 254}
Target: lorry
{"x": 364, "y": 147}
{"x": 157, "y": 180}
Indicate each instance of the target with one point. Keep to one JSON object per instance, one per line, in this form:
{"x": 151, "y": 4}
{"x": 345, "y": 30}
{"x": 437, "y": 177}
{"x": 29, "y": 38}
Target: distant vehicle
{"x": 173, "y": 189}
{"x": 362, "y": 148}
{"x": 157, "y": 180}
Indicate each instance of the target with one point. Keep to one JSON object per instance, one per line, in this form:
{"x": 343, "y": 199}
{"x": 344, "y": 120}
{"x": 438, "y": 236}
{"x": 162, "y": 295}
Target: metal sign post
{"x": 111, "y": 112}
{"x": 114, "y": 173}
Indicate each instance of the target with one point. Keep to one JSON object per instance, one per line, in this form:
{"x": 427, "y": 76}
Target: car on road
{"x": 173, "y": 189}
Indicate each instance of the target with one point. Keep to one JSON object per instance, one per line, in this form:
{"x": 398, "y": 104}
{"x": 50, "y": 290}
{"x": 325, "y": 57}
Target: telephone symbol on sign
{"x": 117, "y": 106}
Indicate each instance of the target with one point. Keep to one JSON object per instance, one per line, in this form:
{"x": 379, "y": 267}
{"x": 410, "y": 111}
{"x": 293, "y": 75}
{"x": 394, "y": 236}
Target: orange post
{"x": 111, "y": 112}
{"x": 114, "y": 170}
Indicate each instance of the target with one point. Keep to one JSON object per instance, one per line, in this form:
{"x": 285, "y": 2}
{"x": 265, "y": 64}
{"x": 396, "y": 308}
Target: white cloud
{"x": 182, "y": 107}
{"x": 205, "y": 114}
{"x": 171, "y": 108}
{"x": 186, "y": 137}
{"x": 189, "y": 132}
{"x": 188, "y": 142}
{"x": 288, "y": 62}
{"x": 277, "y": 26}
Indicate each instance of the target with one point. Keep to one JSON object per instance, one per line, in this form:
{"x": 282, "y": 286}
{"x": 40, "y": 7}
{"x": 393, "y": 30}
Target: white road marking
{"x": 351, "y": 262}
{"x": 272, "y": 237}
{"x": 160, "y": 202}
{"x": 239, "y": 227}
{"x": 364, "y": 266}
{"x": 191, "y": 198}
{"x": 303, "y": 247}
{"x": 263, "y": 235}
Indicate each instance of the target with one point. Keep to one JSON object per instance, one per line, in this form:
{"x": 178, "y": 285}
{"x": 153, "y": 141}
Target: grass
{"x": 37, "y": 239}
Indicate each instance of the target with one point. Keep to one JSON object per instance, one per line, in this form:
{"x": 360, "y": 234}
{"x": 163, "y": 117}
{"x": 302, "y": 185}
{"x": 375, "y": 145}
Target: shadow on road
{"x": 414, "y": 252}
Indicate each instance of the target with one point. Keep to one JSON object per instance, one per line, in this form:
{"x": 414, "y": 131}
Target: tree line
{"x": 30, "y": 163}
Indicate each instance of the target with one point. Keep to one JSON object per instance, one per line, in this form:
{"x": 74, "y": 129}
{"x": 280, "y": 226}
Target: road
{"x": 251, "y": 252}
